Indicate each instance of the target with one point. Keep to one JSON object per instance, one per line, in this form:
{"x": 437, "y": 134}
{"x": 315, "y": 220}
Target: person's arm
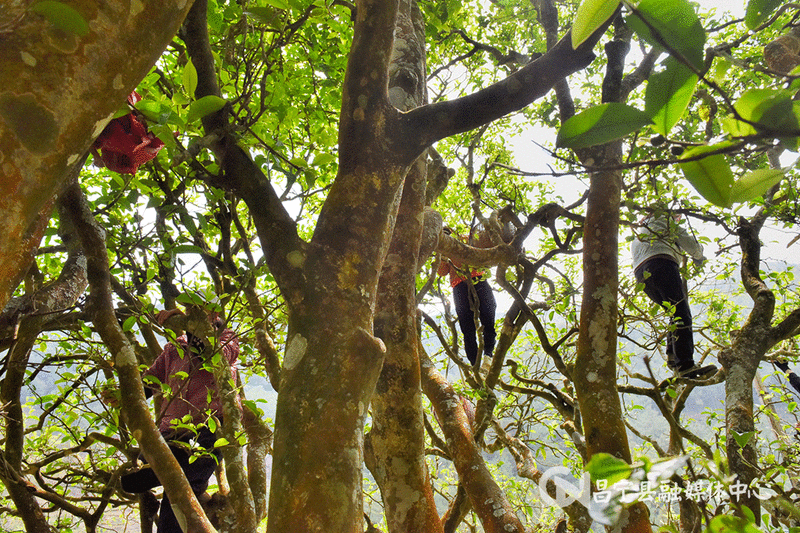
{"x": 794, "y": 380}
{"x": 688, "y": 243}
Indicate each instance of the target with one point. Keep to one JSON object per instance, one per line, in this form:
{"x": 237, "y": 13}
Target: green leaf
{"x": 299, "y": 162}
{"x": 180, "y": 99}
{"x": 590, "y": 16}
{"x": 62, "y": 16}
{"x": 755, "y": 184}
{"x": 600, "y": 124}
{"x": 220, "y": 442}
{"x": 189, "y": 299}
{"x": 781, "y": 115}
{"x": 129, "y": 323}
{"x": 322, "y": 159}
{"x": 668, "y": 95}
{"x": 187, "y": 249}
{"x": 205, "y": 105}
{"x": 121, "y": 112}
{"x": 279, "y": 4}
{"x": 253, "y": 406}
{"x": 189, "y": 78}
{"x": 154, "y": 111}
{"x": 721, "y": 68}
{"x": 758, "y": 11}
{"x": 664, "y": 468}
{"x": 266, "y": 15}
{"x": 310, "y": 178}
{"x": 731, "y": 524}
{"x": 606, "y": 466}
{"x": 771, "y": 110}
{"x": 746, "y": 107}
{"x": 672, "y": 25}
{"x": 711, "y": 175}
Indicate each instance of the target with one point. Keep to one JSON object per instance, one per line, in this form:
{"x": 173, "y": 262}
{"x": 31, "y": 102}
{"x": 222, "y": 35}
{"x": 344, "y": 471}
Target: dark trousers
{"x": 665, "y": 287}
{"x": 466, "y": 319}
{"x": 198, "y": 472}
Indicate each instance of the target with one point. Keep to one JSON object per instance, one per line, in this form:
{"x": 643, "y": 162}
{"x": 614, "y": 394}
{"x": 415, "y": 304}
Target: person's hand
{"x": 166, "y": 314}
{"x": 110, "y": 396}
{"x": 698, "y": 263}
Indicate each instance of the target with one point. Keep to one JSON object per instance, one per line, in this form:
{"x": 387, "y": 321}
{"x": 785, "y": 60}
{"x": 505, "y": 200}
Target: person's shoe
{"x": 697, "y": 372}
{"x": 486, "y": 364}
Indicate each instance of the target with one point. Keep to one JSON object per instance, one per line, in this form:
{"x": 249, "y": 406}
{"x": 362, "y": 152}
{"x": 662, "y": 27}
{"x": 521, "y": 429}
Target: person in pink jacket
{"x": 190, "y": 394}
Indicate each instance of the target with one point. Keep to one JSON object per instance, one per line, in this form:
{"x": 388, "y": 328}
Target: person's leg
{"x": 664, "y": 284}
{"x": 197, "y": 472}
{"x": 167, "y": 521}
{"x": 466, "y": 320}
{"x": 140, "y": 481}
{"x": 202, "y": 468}
{"x": 488, "y": 306}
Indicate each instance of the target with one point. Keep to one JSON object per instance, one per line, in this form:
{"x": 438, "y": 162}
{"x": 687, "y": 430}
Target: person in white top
{"x": 657, "y": 254}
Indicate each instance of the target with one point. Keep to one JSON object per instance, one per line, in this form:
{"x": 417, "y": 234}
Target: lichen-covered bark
{"x": 57, "y": 92}
{"x": 595, "y": 383}
{"x": 397, "y": 437}
{"x": 259, "y": 438}
{"x": 243, "y": 502}
{"x": 742, "y": 358}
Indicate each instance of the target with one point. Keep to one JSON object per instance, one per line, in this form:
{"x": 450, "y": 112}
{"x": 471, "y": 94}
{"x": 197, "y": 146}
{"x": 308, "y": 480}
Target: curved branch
{"x": 134, "y": 409}
{"x": 488, "y": 500}
{"x": 282, "y": 245}
{"x": 436, "y": 121}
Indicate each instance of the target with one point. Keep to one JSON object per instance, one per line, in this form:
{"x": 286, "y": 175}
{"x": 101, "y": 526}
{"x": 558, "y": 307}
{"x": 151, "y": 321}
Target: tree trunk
{"x": 595, "y": 374}
{"x": 397, "y": 437}
{"x": 398, "y": 433}
{"x": 741, "y": 362}
{"x": 242, "y": 502}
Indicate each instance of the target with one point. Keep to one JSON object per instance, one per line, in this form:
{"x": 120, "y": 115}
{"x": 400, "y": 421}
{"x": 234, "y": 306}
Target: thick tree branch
{"x": 365, "y": 101}
{"x": 442, "y": 119}
{"x": 488, "y": 500}
{"x": 283, "y": 248}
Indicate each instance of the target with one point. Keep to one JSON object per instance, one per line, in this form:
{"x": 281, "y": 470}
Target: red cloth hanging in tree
{"x": 125, "y": 142}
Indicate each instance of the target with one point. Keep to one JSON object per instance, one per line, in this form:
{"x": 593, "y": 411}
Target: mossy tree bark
{"x": 58, "y": 91}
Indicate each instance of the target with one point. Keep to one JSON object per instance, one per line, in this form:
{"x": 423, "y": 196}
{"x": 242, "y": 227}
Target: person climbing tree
{"x": 191, "y": 396}
{"x": 477, "y": 295}
{"x": 657, "y": 254}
